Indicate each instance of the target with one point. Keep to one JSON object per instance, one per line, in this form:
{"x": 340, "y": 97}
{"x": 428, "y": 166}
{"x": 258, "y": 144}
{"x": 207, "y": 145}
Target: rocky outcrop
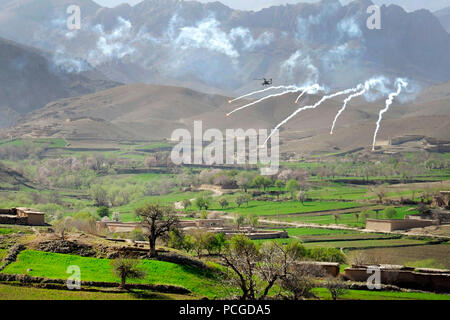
{"x": 67, "y": 247}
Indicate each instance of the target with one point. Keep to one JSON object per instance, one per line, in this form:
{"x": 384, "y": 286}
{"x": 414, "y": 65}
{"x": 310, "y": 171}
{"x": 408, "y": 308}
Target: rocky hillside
{"x": 210, "y": 47}
{"x": 444, "y": 17}
{"x": 29, "y": 80}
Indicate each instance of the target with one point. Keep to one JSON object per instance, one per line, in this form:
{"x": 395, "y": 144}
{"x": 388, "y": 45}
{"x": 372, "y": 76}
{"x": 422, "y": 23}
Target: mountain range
{"x": 212, "y": 48}
{"x": 29, "y": 80}
{"x": 444, "y": 17}
{"x": 138, "y": 73}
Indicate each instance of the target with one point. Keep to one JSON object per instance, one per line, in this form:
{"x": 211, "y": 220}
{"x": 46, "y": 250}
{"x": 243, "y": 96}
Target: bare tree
{"x": 380, "y": 192}
{"x": 159, "y": 220}
{"x": 300, "y": 282}
{"x": 241, "y": 257}
{"x": 256, "y": 271}
{"x": 64, "y": 225}
{"x": 336, "y": 287}
{"x": 127, "y": 269}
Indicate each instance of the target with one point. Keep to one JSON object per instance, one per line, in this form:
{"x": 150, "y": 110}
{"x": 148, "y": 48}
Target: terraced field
{"x": 54, "y": 265}
{"x": 364, "y": 244}
{"x": 11, "y": 292}
{"x": 431, "y": 256}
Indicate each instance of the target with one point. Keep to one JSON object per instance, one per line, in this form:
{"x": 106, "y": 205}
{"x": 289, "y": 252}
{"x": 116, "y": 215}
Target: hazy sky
{"x": 408, "y": 5}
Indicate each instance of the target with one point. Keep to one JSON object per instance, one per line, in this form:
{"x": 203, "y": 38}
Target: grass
{"x": 348, "y": 219}
{"x": 269, "y": 208}
{"x": 425, "y": 263}
{"x": 3, "y": 254}
{"x": 127, "y": 211}
{"x": 435, "y": 256}
{"x": 11, "y": 292}
{"x": 365, "y": 243}
{"x": 8, "y": 230}
{"x": 381, "y": 295}
{"x": 53, "y": 265}
{"x": 293, "y": 232}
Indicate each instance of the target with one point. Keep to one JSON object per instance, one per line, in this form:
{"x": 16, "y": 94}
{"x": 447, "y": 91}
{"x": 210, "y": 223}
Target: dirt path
{"x": 217, "y": 192}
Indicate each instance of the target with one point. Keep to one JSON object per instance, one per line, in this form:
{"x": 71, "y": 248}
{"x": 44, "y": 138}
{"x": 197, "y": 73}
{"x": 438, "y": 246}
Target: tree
{"x": 204, "y": 215}
{"x": 357, "y": 217}
{"x": 186, "y": 203}
{"x": 336, "y": 217}
{"x": 266, "y": 183}
{"x": 116, "y": 217}
{"x": 364, "y": 215}
{"x": 390, "y": 212}
{"x": 258, "y": 182}
{"x": 220, "y": 242}
{"x": 244, "y": 179}
{"x": 240, "y": 200}
{"x": 280, "y": 184}
{"x": 127, "y": 269}
{"x": 239, "y": 220}
{"x": 257, "y": 269}
{"x": 99, "y": 195}
{"x": 137, "y": 235}
{"x": 253, "y": 221}
{"x": 203, "y": 202}
{"x": 336, "y": 287}
{"x": 159, "y": 220}
{"x": 198, "y": 242}
{"x": 300, "y": 283}
{"x": 176, "y": 239}
{"x": 64, "y": 225}
{"x": 292, "y": 186}
{"x": 223, "y": 203}
{"x": 240, "y": 257}
{"x": 380, "y": 192}
{"x": 301, "y": 196}
{"x": 212, "y": 243}
{"x": 103, "y": 212}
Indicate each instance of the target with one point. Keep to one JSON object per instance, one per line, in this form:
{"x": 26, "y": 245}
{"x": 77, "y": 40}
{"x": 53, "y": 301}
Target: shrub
{"x": 390, "y": 212}
{"x": 327, "y": 255}
{"x": 103, "y": 212}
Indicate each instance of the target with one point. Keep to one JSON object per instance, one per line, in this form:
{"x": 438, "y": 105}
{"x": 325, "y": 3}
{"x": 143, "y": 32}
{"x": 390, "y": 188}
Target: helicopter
{"x": 265, "y": 82}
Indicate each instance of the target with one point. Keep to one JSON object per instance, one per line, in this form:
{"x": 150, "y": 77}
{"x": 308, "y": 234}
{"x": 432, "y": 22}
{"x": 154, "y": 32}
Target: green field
{"x": 381, "y": 295}
{"x": 3, "y": 253}
{"x": 348, "y": 219}
{"x": 11, "y": 292}
{"x": 429, "y": 256}
{"x": 295, "y": 232}
{"x": 269, "y": 208}
{"x": 53, "y": 265}
{"x": 365, "y": 243}
{"x": 8, "y": 230}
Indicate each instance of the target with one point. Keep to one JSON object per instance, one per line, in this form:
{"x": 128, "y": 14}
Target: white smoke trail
{"x": 314, "y": 88}
{"x": 401, "y": 83}
{"x": 261, "y": 91}
{"x": 344, "y": 106}
{"x": 295, "y": 89}
{"x": 324, "y": 98}
{"x": 376, "y": 83}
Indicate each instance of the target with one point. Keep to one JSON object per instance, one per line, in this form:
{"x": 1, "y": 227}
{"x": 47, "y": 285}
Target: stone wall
{"x": 329, "y": 268}
{"x": 391, "y": 225}
{"x": 11, "y": 212}
{"x": 45, "y": 282}
{"x": 7, "y": 219}
{"x": 404, "y": 278}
